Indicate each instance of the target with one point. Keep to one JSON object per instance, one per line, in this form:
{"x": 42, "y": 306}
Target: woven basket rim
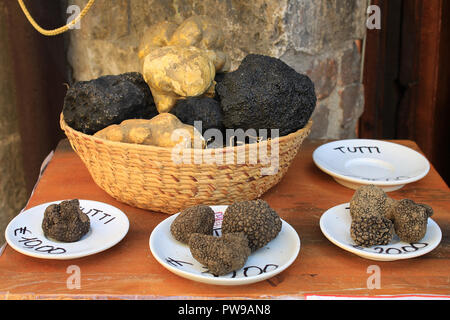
{"x": 65, "y": 127}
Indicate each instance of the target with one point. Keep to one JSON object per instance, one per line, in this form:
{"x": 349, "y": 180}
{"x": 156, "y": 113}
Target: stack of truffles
{"x": 186, "y": 77}
{"x": 246, "y": 227}
{"x": 376, "y": 218}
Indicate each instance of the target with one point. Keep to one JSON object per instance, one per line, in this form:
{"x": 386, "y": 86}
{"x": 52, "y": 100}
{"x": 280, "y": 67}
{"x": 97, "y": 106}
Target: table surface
{"x": 129, "y": 270}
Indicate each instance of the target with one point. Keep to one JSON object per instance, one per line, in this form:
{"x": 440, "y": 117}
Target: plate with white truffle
{"x": 67, "y": 229}
{"x": 377, "y": 227}
{"x": 242, "y": 243}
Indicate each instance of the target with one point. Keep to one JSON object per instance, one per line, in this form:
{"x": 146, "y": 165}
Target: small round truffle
{"x": 410, "y": 220}
{"x": 65, "y": 222}
{"x": 196, "y": 219}
{"x": 204, "y": 109}
{"x": 221, "y": 255}
{"x": 368, "y": 200}
{"x": 255, "y": 218}
{"x": 367, "y": 230}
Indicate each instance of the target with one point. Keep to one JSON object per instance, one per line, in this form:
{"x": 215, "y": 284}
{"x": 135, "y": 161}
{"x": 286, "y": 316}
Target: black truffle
{"x": 204, "y": 109}
{"x": 368, "y": 200}
{"x": 255, "y": 218}
{"x": 90, "y": 106}
{"x": 265, "y": 93}
{"x": 196, "y": 219}
{"x": 65, "y": 222}
{"x": 410, "y": 220}
{"x": 221, "y": 255}
{"x": 370, "y": 230}
{"x": 218, "y": 78}
{"x": 377, "y": 217}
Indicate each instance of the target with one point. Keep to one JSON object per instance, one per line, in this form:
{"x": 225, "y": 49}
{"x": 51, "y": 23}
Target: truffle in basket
{"x": 204, "y": 109}
{"x": 90, "y": 106}
{"x": 265, "y": 93}
{"x": 175, "y": 72}
{"x": 156, "y": 36}
{"x": 196, "y": 31}
{"x": 163, "y": 130}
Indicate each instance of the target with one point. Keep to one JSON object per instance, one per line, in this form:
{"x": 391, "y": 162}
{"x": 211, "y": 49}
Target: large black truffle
{"x": 221, "y": 255}
{"x": 90, "y": 106}
{"x": 204, "y": 109}
{"x": 65, "y": 222}
{"x": 255, "y": 218}
{"x": 196, "y": 219}
{"x": 265, "y": 93}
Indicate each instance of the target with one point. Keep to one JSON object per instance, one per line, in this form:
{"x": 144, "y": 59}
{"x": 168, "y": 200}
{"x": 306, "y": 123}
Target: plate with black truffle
{"x": 67, "y": 229}
{"x": 356, "y": 162}
{"x": 377, "y": 227}
{"x": 243, "y": 243}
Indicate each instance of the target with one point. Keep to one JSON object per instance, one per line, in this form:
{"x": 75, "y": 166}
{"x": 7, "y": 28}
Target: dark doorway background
{"x": 406, "y": 78}
{"x": 40, "y": 74}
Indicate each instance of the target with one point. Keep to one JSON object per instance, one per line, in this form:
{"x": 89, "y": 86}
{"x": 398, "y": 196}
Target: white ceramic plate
{"x": 335, "y": 225}
{"x": 357, "y": 162}
{"x": 262, "y": 264}
{"x": 109, "y": 225}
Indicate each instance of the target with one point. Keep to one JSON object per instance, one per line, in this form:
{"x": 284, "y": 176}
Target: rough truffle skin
{"x": 410, "y": 220}
{"x": 255, "y": 218}
{"x": 368, "y": 200}
{"x": 265, "y": 93}
{"x": 428, "y": 209}
{"x": 204, "y": 109}
{"x": 221, "y": 255}
{"x": 369, "y": 231}
{"x": 90, "y": 106}
{"x": 389, "y": 208}
{"x": 65, "y": 222}
{"x": 196, "y": 219}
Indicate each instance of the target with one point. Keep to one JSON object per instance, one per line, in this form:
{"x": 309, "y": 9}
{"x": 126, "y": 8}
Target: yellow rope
{"x": 59, "y": 30}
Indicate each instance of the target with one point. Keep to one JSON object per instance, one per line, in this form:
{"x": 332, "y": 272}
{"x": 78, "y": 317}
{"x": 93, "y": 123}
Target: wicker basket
{"x": 147, "y": 177}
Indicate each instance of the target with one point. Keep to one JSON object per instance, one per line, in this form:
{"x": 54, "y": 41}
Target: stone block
{"x": 109, "y": 36}
{"x": 314, "y": 26}
{"x": 323, "y": 72}
{"x": 352, "y": 106}
{"x": 320, "y": 121}
{"x": 350, "y": 66}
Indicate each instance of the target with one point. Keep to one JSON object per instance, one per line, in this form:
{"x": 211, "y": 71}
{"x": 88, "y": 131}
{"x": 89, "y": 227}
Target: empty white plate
{"x": 357, "y": 162}
{"x": 335, "y": 225}
{"x": 262, "y": 264}
{"x": 109, "y": 225}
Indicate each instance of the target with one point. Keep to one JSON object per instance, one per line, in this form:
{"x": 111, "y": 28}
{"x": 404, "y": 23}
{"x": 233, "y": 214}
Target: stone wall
{"x": 13, "y": 194}
{"x": 319, "y": 38}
